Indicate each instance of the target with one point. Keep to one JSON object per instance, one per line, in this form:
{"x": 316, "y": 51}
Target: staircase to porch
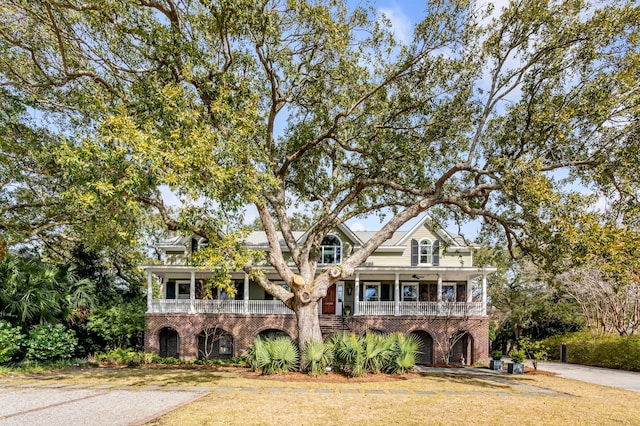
{"x": 331, "y": 324}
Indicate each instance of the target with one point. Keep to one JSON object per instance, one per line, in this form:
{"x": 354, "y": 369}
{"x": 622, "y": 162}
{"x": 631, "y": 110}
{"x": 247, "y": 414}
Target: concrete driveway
{"x": 55, "y": 406}
{"x": 601, "y": 376}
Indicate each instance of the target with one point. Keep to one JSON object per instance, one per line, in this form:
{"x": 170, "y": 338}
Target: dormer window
{"x": 198, "y": 243}
{"x": 330, "y": 250}
{"x": 426, "y": 252}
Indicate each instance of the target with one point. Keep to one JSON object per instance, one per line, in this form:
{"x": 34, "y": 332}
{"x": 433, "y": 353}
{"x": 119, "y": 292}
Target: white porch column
{"x": 245, "y": 294}
{"x": 469, "y": 290}
{"x": 356, "y": 296}
{"x": 149, "y": 290}
{"x": 396, "y": 295}
{"x": 484, "y": 294}
{"x": 192, "y": 292}
{"x": 440, "y": 307}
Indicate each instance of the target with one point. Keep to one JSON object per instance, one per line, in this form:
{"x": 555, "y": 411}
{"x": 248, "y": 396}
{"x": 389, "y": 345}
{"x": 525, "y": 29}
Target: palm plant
{"x": 283, "y": 356}
{"x": 348, "y": 354}
{"x": 30, "y": 292}
{"x": 405, "y": 351}
{"x": 378, "y": 351}
{"x": 255, "y": 354}
{"x": 317, "y": 356}
{"x": 272, "y": 356}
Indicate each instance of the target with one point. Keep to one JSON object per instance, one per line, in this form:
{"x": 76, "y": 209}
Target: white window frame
{"x": 183, "y": 296}
{"x": 449, "y": 284}
{"x": 422, "y": 244}
{"x": 337, "y": 251}
{"x": 415, "y": 292}
{"x": 375, "y": 285}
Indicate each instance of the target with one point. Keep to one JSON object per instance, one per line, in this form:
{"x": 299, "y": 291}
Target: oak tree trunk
{"x": 308, "y": 327}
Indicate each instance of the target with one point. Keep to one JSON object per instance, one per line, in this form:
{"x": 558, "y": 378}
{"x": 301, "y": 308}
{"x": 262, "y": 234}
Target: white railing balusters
{"x": 276, "y": 307}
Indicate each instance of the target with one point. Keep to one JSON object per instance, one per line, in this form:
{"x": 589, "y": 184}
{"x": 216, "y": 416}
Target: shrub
{"x": 348, "y": 354}
{"x": 273, "y": 356}
{"x": 11, "y": 340}
{"x": 535, "y": 350}
{"x": 518, "y": 356}
{"x": 372, "y": 353}
{"x": 318, "y": 355}
{"x": 255, "y": 354}
{"x": 122, "y": 357}
{"x": 47, "y": 342}
{"x": 404, "y": 352}
{"x": 496, "y": 355}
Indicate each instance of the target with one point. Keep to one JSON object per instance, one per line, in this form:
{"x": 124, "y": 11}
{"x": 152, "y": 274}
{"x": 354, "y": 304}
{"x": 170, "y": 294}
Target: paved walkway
{"x": 68, "y": 406}
{"x": 601, "y": 376}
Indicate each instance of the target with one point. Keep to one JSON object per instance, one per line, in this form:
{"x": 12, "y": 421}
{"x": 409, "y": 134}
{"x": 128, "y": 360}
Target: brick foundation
{"x": 244, "y": 328}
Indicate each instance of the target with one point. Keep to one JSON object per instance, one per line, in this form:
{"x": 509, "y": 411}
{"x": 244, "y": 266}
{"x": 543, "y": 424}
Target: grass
{"x": 579, "y": 403}
{"x": 457, "y": 399}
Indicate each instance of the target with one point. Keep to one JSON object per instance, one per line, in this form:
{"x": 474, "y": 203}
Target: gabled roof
{"x": 452, "y": 240}
{"x": 258, "y": 239}
{"x": 353, "y": 236}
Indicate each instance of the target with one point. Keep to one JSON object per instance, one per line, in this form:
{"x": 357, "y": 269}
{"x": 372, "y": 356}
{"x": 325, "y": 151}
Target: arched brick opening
{"x": 169, "y": 343}
{"x": 214, "y": 343}
{"x": 425, "y": 355}
{"x": 463, "y": 348}
{"x": 273, "y": 332}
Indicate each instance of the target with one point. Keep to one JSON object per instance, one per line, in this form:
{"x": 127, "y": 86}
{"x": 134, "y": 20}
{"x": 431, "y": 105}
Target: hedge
{"x": 620, "y": 352}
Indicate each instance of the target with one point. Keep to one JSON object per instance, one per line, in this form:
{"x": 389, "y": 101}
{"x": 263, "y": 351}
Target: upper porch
{"x": 436, "y": 292}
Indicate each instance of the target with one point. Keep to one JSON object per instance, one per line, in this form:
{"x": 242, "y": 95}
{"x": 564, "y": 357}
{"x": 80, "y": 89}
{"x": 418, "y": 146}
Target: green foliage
{"x": 121, "y": 356}
{"x": 349, "y": 354}
{"x": 621, "y": 352}
{"x": 11, "y": 339}
{"x": 496, "y": 355}
{"x": 49, "y": 342}
{"x": 535, "y": 350}
{"x": 523, "y": 108}
{"x": 517, "y": 356}
{"x": 374, "y": 353}
{"x": 166, "y": 361}
{"x": 317, "y": 356}
{"x": 405, "y": 351}
{"x": 255, "y": 353}
{"x": 525, "y": 301}
{"x": 118, "y": 326}
{"x": 272, "y": 355}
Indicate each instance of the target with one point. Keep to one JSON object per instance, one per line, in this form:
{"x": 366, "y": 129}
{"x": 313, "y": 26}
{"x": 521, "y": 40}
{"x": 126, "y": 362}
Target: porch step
{"x": 331, "y": 324}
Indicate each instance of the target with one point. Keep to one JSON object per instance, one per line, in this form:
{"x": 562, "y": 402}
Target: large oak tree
{"x": 489, "y": 114}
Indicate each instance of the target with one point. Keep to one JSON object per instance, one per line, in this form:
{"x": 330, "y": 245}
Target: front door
{"x": 329, "y": 301}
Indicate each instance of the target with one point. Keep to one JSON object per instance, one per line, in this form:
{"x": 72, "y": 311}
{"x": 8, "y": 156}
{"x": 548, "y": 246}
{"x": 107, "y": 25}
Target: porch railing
{"x": 435, "y": 309}
{"x": 200, "y": 306}
{"x": 266, "y": 307}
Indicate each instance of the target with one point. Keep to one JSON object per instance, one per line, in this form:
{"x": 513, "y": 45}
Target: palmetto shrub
{"x": 374, "y": 353}
{"x": 405, "y": 351}
{"x": 317, "y": 356}
{"x": 272, "y": 355}
{"x": 358, "y": 355}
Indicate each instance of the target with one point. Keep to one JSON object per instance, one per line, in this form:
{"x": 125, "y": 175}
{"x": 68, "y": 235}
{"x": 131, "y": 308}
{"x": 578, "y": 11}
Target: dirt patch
{"x": 532, "y": 372}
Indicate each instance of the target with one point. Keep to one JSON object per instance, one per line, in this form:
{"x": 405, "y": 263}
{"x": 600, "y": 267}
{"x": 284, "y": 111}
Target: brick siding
{"x": 244, "y": 328}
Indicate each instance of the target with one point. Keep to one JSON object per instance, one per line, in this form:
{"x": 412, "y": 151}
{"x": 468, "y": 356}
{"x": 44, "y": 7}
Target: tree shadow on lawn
{"x": 482, "y": 381}
{"x": 138, "y": 376}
